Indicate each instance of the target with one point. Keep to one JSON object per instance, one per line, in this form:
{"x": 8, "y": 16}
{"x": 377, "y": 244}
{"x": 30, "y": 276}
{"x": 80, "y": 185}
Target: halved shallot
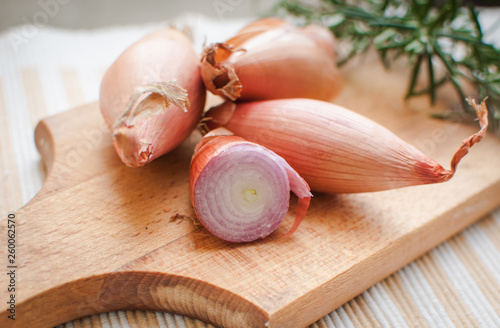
{"x": 145, "y": 95}
{"x": 334, "y": 149}
{"x": 271, "y": 59}
{"x": 240, "y": 190}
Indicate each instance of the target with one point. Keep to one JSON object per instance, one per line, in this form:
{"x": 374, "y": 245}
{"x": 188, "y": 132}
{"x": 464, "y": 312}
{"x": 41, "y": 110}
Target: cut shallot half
{"x": 240, "y": 190}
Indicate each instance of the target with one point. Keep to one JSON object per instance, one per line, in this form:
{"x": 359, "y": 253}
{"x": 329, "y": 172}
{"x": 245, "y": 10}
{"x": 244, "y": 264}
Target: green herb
{"x": 425, "y": 31}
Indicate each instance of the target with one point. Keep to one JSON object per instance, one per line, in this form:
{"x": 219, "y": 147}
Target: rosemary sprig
{"x": 428, "y": 32}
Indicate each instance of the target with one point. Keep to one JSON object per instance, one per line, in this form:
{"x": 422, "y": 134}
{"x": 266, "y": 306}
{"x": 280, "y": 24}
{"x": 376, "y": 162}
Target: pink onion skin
{"x": 334, "y": 149}
{"x": 271, "y": 59}
{"x": 215, "y": 152}
{"x": 165, "y": 56}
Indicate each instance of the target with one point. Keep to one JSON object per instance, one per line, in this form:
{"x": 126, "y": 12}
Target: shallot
{"x": 334, "y": 149}
{"x": 240, "y": 190}
{"x": 271, "y": 59}
{"x": 152, "y": 96}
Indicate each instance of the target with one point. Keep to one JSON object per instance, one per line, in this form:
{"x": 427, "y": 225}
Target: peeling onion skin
{"x": 240, "y": 190}
{"x": 152, "y": 96}
{"x": 334, "y": 149}
{"x": 271, "y": 59}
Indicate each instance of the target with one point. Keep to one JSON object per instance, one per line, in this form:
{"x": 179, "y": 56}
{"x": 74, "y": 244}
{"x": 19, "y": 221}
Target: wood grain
{"x": 100, "y": 236}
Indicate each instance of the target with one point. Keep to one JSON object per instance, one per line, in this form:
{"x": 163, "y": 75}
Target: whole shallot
{"x": 240, "y": 190}
{"x": 152, "y": 96}
{"x": 334, "y": 149}
{"x": 271, "y": 59}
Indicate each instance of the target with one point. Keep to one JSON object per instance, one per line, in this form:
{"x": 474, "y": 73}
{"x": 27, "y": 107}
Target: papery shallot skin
{"x": 271, "y": 59}
{"x": 335, "y": 149}
{"x": 145, "y": 92}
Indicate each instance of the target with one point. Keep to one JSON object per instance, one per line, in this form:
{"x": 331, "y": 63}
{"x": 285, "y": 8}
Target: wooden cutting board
{"x": 100, "y": 236}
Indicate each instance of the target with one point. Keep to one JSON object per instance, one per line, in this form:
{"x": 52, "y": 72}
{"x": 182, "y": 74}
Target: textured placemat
{"x": 47, "y": 71}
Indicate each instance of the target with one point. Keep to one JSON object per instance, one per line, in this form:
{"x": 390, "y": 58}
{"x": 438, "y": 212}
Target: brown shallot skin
{"x": 334, "y": 149}
{"x": 271, "y": 59}
{"x": 152, "y": 96}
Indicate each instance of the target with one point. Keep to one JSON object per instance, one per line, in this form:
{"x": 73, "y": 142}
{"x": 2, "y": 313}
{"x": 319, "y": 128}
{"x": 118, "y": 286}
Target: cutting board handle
{"x": 79, "y": 255}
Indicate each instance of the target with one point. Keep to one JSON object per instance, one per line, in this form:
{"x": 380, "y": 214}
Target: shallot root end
{"x": 221, "y": 79}
{"x": 133, "y": 152}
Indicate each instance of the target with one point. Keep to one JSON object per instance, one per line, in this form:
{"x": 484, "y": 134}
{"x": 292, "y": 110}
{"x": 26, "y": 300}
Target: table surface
{"x": 44, "y": 71}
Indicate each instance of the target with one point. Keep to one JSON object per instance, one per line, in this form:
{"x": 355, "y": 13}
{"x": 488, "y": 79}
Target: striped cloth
{"x": 44, "y": 71}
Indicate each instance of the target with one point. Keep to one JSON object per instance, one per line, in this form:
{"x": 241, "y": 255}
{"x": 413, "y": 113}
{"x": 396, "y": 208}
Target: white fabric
{"x": 439, "y": 290}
